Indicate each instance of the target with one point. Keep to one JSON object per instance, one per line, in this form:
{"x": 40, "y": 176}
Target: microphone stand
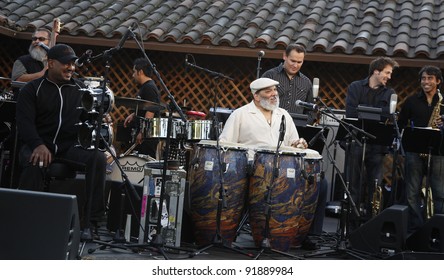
{"x": 349, "y": 128}
{"x": 218, "y": 240}
{"x": 87, "y": 235}
{"x": 259, "y": 58}
{"x": 341, "y": 245}
{"x": 157, "y": 241}
{"x": 397, "y": 146}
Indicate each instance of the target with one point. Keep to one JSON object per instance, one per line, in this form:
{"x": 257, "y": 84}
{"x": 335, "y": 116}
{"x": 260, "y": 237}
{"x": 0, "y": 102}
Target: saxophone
{"x": 436, "y": 112}
{"x": 435, "y": 115}
{"x": 377, "y": 199}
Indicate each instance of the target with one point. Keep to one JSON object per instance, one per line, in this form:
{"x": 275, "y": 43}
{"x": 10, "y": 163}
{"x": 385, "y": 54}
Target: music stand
{"x": 383, "y": 134}
{"x": 371, "y": 132}
{"x": 423, "y": 141}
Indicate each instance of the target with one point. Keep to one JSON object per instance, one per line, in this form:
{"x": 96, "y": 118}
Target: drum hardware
{"x": 92, "y": 100}
{"x": 100, "y": 100}
{"x": 87, "y": 136}
{"x": 157, "y": 243}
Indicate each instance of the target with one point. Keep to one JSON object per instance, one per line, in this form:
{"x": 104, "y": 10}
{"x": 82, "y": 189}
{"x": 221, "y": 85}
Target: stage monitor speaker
{"x": 38, "y": 225}
{"x": 430, "y": 237}
{"x": 383, "y": 234}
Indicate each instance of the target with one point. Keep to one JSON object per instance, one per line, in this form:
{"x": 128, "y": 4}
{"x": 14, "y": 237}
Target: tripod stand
{"x": 222, "y": 168}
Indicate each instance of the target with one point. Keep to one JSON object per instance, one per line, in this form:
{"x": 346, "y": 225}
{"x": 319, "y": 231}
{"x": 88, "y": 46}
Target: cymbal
{"x": 139, "y": 103}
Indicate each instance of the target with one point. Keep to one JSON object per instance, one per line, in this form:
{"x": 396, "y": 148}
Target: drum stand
{"x": 87, "y": 234}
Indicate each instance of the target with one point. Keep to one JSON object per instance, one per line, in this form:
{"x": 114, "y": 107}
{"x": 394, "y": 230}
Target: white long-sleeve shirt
{"x": 248, "y": 125}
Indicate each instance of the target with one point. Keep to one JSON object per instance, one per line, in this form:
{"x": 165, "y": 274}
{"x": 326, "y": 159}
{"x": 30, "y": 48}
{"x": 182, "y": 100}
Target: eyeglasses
{"x": 39, "y": 38}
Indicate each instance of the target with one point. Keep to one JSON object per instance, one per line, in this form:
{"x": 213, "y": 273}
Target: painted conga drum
{"x": 205, "y": 178}
{"x": 312, "y": 175}
{"x": 287, "y": 192}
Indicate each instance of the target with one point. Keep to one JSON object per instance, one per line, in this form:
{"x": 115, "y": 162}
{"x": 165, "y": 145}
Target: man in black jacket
{"x": 47, "y": 114}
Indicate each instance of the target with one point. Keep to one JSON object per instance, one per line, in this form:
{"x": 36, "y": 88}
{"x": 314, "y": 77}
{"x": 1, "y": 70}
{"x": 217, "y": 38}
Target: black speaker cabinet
{"x": 430, "y": 237}
{"x": 38, "y": 225}
{"x": 383, "y": 234}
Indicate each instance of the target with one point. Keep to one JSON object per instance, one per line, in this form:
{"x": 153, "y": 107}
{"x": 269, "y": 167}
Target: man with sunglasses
{"x": 33, "y": 65}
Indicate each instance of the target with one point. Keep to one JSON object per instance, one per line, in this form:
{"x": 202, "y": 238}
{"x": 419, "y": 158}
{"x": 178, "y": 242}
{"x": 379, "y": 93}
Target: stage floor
{"x": 242, "y": 249}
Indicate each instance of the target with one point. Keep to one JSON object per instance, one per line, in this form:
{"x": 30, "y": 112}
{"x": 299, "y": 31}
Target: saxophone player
{"x": 423, "y": 109}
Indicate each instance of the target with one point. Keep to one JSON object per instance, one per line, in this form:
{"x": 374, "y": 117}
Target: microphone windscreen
{"x": 393, "y": 103}
{"x": 315, "y": 87}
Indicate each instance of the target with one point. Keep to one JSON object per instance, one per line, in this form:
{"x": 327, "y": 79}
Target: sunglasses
{"x": 39, "y": 38}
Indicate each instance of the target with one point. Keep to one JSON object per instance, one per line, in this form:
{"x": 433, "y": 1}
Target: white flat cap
{"x": 261, "y": 83}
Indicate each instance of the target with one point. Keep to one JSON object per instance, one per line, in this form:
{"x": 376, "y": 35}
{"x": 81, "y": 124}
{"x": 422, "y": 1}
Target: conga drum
{"x": 287, "y": 193}
{"x": 205, "y": 178}
{"x": 312, "y": 175}
{"x": 293, "y": 195}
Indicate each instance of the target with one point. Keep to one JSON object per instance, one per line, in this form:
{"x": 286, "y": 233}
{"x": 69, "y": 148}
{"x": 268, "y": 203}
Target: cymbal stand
{"x": 218, "y": 240}
{"x": 266, "y": 244}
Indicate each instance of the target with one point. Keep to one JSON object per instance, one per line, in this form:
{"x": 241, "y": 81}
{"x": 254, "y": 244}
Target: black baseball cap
{"x": 62, "y": 53}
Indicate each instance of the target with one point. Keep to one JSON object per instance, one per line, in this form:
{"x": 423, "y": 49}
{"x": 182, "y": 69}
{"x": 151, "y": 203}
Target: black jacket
{"x": 47, "y": 114}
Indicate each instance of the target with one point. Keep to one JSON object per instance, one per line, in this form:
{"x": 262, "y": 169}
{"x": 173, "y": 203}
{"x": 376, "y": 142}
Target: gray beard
{"x": 267, "y": 106}
{"x": 37, "y": 53}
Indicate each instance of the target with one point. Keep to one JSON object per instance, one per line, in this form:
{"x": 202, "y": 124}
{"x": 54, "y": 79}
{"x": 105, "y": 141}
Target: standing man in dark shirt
{"x": 142, "y": 72}
{"x": 47, "y": 117}
{"x": 417, "y": 111}
{"x": 371, "y": 92}
{"x": 293, "y": 85}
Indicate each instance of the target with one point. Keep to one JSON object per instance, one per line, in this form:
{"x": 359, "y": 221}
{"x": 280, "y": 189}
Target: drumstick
{"x": 130, "y": 149}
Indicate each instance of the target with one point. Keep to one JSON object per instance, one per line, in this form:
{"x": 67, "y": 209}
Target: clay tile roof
{"x": 407, "y": 28}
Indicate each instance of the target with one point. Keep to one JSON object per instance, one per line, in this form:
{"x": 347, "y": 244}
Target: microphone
{"x": 43, "y": 46}
{"x": 261, "y": 54}
{"x": 125, "y": 37}
{"x": 393, "y": 102}
{"x": 84, "y": 58}
{"x": 315, "y": 88}
{"x": 307, "y": 105}
{"x": 282, "y": 129}
{"x": 186, "y": 63}
{"x": 313, "y": 140}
